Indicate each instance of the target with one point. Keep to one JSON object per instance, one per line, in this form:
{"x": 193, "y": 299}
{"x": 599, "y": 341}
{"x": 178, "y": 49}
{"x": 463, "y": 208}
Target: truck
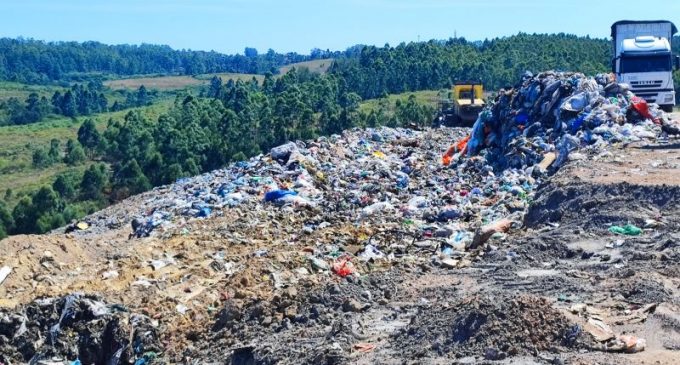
{"x": 461, "y": 108}
{"x": 643, "y": 59}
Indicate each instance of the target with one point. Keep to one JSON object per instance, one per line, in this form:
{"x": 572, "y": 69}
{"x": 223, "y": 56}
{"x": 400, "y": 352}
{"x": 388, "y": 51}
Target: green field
{"x": 174, "y": 83}
{"x": 21, "y": 91}
{"x": 422, "y": 97}
{"x": 151, "y": 82}
{"x": 17, "y": 144}
{"x": 183, "y": 82}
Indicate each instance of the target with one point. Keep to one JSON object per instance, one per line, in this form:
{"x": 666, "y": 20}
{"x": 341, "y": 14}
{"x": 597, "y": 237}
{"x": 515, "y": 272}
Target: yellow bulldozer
{"x": 461, "y": 108}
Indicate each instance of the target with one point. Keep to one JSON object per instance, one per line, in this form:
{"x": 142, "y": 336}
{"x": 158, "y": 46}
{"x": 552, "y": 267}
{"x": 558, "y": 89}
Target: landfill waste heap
{"x": 366, "y": 247}
{"x": 556, "y": 113}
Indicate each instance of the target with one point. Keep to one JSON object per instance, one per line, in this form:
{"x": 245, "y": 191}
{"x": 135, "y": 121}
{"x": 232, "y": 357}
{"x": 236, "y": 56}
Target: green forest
{"x": 33, "y": 61}
{"x": 496, "y": 63}
{"x": 233, "y": 121}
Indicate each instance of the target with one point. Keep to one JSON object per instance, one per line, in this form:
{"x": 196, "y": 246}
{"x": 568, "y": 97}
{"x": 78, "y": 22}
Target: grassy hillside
{"x": 160, "y": 82}
{"x": 230, "y": 76}
{"x": 17, "y": 144}
{"x": 316, "y": 66}
{"x": 21, "y": 91}
{"x": 426, "y": 97}
{"x": 173, "y": 83}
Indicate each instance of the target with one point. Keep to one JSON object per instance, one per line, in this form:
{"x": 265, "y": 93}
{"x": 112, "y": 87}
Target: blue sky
{"x": 230, "y": 25}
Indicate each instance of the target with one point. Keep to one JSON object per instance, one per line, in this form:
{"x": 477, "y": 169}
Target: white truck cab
{"x": 644, "y": 60}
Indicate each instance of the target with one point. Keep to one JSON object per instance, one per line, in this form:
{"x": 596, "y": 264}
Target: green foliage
{"x": 78, "y": 100}
{"x": 129, "y": 180}
{"x": 46, "y": 209}
{"x": 412, "y": 112}
{"x": 49, "y": 221}
{"x": 39, "y": 213}
{"x": 173, "y": 172}
{"x": 6, "y": 221}
{"x": 93, "y": 183}
{"x": 75, "y": 154}
{"x": 201, "y": 134}
{"x": 496, "y": 63}
{"x": 66, "y": 184}
{"x": 54, "y": 153}
{"x": 239, "y": 156}
{"x": 142, "y": 96}
{"x": 32, "y": 110}
{"x": 40, "y": 158}
{"x": 80, "y": 209}
{"x": 215, "y": 87}
{"x": 47, "y": 200}
{"x": 24, "y": 216}
{"x": 88, "y": 135}
{"x": 197, "y": 135}
{"x": 41, "y": 62}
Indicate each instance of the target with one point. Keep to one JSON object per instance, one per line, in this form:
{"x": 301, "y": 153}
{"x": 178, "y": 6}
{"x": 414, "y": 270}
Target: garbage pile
{"x": 337, "y": 208}
{"x": 362, "y": 177}
{"x": 556, "y": 113}
{"x": 318, "y": 234}
{"x": 394, "y": 175}
{"x": 396, "y": 172}
{"x": 75, "y": 329}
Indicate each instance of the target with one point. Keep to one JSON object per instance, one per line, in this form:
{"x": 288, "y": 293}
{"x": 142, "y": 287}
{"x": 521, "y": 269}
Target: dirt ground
{"x": 240, "y": 288}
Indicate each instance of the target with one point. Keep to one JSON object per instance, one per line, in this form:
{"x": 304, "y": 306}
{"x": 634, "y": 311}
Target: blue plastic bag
{"x": 277, "y": 194}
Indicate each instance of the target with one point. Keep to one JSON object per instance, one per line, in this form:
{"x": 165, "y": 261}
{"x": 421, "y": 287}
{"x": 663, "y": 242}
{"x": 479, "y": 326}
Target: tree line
{"x": 79, "y": 100}
{"x": 39, "y": 62}
{"x": 369, "y": 70}
{"x": 496, "y": 63}
{"x": 375, "y": 71}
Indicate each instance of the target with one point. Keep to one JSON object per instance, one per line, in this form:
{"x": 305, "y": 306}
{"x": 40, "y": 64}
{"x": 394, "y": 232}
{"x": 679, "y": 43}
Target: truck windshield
{"x": 659, "y": 63}
{"x": 465, "y": 94}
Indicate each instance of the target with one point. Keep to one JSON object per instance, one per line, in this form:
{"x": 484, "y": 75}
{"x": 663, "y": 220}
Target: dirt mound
{"x": 313, "y": 325}
{"x": 493, "y": 327}
{"x": 595, "y": 205}
{"x": 75, "y": 327}
{"x": 644, "y": 291}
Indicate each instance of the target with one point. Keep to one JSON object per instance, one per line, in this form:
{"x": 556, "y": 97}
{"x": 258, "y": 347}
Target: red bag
{"x": 640, "y": 106}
